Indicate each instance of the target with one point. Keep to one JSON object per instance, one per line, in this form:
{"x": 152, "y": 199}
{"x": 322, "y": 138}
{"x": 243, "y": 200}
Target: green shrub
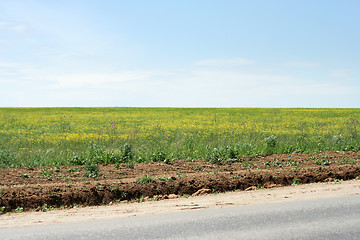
{"x": 92, "y": 169}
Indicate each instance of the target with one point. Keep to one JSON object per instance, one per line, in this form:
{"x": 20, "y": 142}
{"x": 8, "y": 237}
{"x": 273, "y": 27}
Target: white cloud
{"x": 340, "y": 72}
{"x": 225, "y": 62}
{"x": 301, "y": 64}
{"x": 15, "y": 27}
{"x": 99, "y": 80}
{"x": 202, "y": 86}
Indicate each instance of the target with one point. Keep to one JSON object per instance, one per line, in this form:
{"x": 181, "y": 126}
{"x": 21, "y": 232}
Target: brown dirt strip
{"x": 65, "y": 187}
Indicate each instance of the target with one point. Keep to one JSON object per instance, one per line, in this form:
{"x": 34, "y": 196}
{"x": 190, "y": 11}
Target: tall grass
{"x": 61, "y": 136}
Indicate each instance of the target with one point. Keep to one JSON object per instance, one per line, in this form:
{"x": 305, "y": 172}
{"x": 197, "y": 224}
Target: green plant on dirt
{"x": 130, "y": 165}
{"x": 73, "y": 169}
{"x": 141, "y": 199}
{"x": 117, "y": 165}
{"x": 19, "y": 209}
{"x": 166, "y": 179}
{"x": 246, "y": 165}
{"x": 275, "y": 163}
{"x": 145, "y": 179}
{"x": 322, "y": 162}
{"x": 236, "y": 177}
{"x": 46, "y": 172}
{"x": 337, "y": 180}
{"x": 292, "y": 163}
{"x": 347, "y": 161}
{"x": 25, "y": 176}
{"x": 198, "y": 168}
{"x": 296, "y": 181}
{"x": 92, "y": 170}
{"x": 45, "y": 208}
{"x": 2, "y": 209}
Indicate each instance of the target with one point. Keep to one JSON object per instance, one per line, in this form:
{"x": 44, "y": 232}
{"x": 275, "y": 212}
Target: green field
{"x": 32, "y": 137}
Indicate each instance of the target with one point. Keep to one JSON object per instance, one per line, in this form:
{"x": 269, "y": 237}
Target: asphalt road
{"x": 335, "y": 218}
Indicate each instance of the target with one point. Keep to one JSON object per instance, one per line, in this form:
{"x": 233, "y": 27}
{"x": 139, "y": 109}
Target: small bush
{"x": 76, "y": 160}
{"x": 271, "y": 143}
{"x": 92, "y": 170}
{"x": 127, "y": 153}
{"x": 158, "y": 157}
{"x": 213, "y": 156}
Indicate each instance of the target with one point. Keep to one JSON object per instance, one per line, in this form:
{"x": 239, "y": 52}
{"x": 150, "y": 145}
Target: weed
{"x": 275, "y": 163}
{"x": 45, "y": 208}
{"x": 76, "y": 160}
{"x": 347, "y": 161}
{"x": 167, "y": 179}
{"x": 234, "y": 177}
{"x": 92, "y": 170}
{"x": 198, "y": 168}
{"x": 117, "y": 165}
{"x": 25, "y": 176}
{"x": 6, "y": 158}
{"x": 73, "y": 169}
{"x": 127, "y": 153}
{"x": 337, "y": 180}
{"x": 19, "y": 209}
{"x": 324, "y": 162}
{"x": 213, "y": 156}
{"x": 337, "y": 139}
{"x": 292, "y": 163}
{"x": 46, "y": 172}
{"x": 247, "y": 165}
{"x": 2, "y": 209}
{"x": 296, "y": 181}
{"x": 141, "y": 199}
{"x": 145, "y": 179}
{"x": 130, "y": 165}
{"x": 159, "y": 157}
{"x": 271, "y": 143}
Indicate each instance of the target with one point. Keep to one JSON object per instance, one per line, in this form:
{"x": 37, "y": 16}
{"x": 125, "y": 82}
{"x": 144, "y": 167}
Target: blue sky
{"x": 196, "y": 53}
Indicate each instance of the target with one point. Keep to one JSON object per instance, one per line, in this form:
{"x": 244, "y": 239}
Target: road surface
{"x": 333, "y": 218}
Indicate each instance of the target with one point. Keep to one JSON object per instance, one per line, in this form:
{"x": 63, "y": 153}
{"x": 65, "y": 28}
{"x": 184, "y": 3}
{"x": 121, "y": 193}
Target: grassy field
{"x": 31, "y": 137}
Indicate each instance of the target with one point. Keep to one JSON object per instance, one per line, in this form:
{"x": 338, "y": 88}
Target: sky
{"x": 188, "y": 53}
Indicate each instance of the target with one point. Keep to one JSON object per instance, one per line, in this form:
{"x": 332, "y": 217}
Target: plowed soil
{"x": 68, "y": 186}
